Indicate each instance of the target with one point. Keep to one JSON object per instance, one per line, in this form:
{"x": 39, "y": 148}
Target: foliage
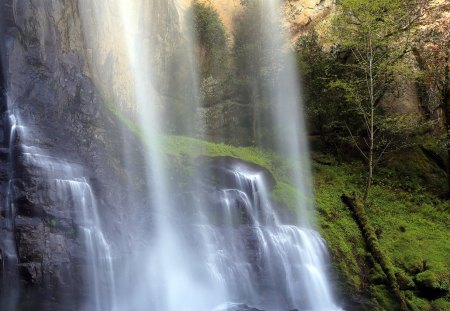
{"x": 325, "y": 105}
{"x": 410, "y": 222}
{"x": 411, "y": 225}
{"x": 212, "y": 40}
{"x": 371, "y": 239}
{"x": 376, "y": 36}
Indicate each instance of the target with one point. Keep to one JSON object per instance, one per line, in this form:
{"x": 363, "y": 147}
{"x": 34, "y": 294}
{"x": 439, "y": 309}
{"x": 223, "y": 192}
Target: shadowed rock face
{"x": 62, "y": 131}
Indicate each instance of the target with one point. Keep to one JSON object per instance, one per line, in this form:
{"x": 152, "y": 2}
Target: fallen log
{"x": 371, "y": 240}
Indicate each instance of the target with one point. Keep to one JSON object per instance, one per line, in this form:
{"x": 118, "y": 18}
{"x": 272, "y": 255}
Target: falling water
{"x": 78, "y": 193}
{"x": 256, "y": 256}
{"x": 9, "y": 289}
{"x": 231, "y": 249}
{"x": 169, "y": 279}
{"x": 292, "y": 144}
{"x": 75, "y": 195}
{"x": 75, "y": 200}
{"x": 217, "y": 246}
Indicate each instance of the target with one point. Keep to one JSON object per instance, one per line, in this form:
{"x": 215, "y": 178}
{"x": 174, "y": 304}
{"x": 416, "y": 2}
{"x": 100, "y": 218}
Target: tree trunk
{"x": 371, "y": 240}
{"x": 371, "y": 121}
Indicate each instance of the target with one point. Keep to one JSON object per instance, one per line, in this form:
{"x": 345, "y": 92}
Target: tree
{"x": 324, "y": 105}
{"x": 213, "y": 53}
{"x": 212, "y": 39}
{"x": 377, "y": 35}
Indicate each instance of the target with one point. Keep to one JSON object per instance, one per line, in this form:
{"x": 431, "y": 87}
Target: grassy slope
{"x": 412, "y": 227}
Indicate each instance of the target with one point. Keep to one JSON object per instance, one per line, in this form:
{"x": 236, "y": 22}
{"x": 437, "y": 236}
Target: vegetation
{"x": 411, "y": 228}
{"x": 375, "y": 34}
{"x": 407, "y": 222}
{"x": 250, "y": 63}
{"x": 403, "y": 225}
{"x": 212, "y": 40}
{"x": 326, "y": 106}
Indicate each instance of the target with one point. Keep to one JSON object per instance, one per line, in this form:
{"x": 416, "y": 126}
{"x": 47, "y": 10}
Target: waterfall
{"x": 66, "y": 186}
{"x": 100, "y": 266}
{"x": 291, "y": 142}
{"x": 221, "y": 243}
{"x": 236, "y": 252}
{"x": 9, "y": 287}
{"x": 74, "y": 195}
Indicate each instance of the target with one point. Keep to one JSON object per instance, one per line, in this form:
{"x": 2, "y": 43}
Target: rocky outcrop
{"x": 302, "y": 15}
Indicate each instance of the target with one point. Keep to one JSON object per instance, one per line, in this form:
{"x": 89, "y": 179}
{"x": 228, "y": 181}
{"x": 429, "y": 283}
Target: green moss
{"x": 405, "y": 280}
{"x": 432, "y": 281}
{"x": 412, "y": 227}
{"x": 441, "y": 304}
{"x": 382, "y": 298}
{"x": 412, "y": 170}
{"x": 132, "y": 127}
{"x": 419, "y": 304}
{"x": 181, "y": 150}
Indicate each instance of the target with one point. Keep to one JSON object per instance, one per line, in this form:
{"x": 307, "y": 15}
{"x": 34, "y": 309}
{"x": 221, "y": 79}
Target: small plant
{"x": 52, "y": 222}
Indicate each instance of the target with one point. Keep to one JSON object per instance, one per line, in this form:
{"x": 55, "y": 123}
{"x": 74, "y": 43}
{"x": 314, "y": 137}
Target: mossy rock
{"x": 404, "y": 280}
{"x": 441, "y": 304}
{"x": 414, "y": 170}
{"x": 382, "y": 298}
{"x": 432, "y": 285}
{"x": 419, "y": 304}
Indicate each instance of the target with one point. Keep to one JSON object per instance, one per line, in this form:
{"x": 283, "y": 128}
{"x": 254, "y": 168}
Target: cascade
{"x": 229, "y": 248}
{"x": 291, "y": 142}
{"x": 222, "y": 244}
{"x": 9, "y": 287}
{"x": 73, "y": 197}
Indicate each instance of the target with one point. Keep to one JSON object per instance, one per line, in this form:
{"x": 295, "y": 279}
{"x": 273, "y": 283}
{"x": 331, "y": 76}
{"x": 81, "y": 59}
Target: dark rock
{"x": 227, "y": 121}
{"x": 31, "y": 272}
{"x": 223, "y": 169}
{"x": 30, "y": 238}
{"x": 236, "y": 307}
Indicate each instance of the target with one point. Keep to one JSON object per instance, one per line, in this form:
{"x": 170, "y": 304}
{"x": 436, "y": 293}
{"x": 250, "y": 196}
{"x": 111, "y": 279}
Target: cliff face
{"x": 107, "y": 28}
{"x": 300, "y": 14}
{"x": 55, "y": 133}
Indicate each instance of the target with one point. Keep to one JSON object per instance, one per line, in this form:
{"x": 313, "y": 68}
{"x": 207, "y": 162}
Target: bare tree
{"x": 378, "y": 34}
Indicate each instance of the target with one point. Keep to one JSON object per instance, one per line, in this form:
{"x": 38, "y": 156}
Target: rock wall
{"x": 63, "y": 131}
{"x": 302, "y": 15}
{"x": 107, "y": 46}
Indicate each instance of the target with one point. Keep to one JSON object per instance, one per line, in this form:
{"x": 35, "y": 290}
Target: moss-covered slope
{"x": 412, "y": 226}
{"x": 411, "y": 222}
